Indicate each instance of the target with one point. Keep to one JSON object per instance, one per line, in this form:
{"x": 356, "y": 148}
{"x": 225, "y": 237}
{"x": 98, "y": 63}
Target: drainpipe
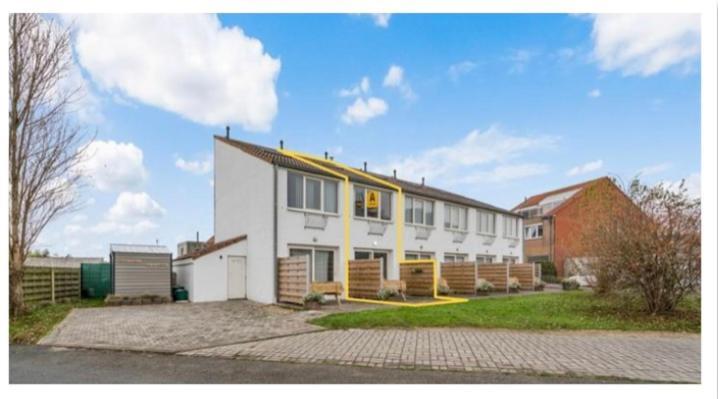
{"x": 274, "y": 238}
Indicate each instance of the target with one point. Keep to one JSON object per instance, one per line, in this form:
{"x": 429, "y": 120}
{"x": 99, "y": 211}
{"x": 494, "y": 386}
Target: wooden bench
{"x": 329, "y": 288}
{"x": 396, "y": 285}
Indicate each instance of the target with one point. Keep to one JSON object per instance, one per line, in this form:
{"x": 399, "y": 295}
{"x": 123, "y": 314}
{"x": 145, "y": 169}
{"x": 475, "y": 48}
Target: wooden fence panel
{"x": 460, "y": 276}
{"x": 419, "y": 278}
{"x": 293, "y": 279}
{"x": 364, "y": 278}
{"x": 495, "y": 273}
{"x": 525, "y": 273}
{"x": 48, "y": 285}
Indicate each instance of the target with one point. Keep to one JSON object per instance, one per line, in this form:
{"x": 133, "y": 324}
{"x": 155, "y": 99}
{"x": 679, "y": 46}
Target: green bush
{"x": 484, "y": 286}
{"x": 314, "y": 297}
{"x": 548, "y": 268}
{"x": 551, "y": 279}
{"x": 385, "y": 293}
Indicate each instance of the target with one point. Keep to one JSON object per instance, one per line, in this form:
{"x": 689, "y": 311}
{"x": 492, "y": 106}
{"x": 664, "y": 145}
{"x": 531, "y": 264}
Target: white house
{"x": 281, "y": 206}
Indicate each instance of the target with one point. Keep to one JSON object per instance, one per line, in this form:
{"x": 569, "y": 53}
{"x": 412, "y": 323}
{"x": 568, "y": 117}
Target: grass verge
{"x": 38, "y": 321}
{"x": 576, "y": 310}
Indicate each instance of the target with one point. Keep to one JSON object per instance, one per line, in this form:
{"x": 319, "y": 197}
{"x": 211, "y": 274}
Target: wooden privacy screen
{"x": 293, "y": 279}
{"x": 460, "y": 276}
{"x": 419, "y": 278}
{"x": 49, "y": 285}
{"x": 495, "y": 273}
{"x": 525, "y": 273}
{"x": 364, "y": 278}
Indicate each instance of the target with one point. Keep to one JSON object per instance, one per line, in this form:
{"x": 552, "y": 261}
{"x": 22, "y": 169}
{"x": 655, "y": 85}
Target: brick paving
{"x": 176, "y": 327}
{"x": 643, "y": 356}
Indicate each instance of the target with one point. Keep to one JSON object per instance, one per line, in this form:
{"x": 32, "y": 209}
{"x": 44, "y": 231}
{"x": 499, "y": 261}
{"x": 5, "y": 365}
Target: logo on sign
{"x": 372, "y": 199}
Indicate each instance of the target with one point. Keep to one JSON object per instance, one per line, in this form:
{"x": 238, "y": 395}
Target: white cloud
{"x": 645, "y": 44}
{"x": 461, "y": 68}
{"x": 113, "y": 166}
{"x": 585, "y": 168}
{"x": 188, "y": 64}
{"x": 595, "y": 93}
{"x": 692, "y": 185}
{"x": 116, "y": 227}
{"x": 197, "y": 167}
{"x": 134, "y": 206}
{"x": 381, "y": 20}
{"x": 394, "y": 78}
{"x": 654, "y": 169}
{"x": 363, "y": 110}
{"x": 476, "y": 149}
{"x": 519, "y": 60}
{"x": 360, "y": 88}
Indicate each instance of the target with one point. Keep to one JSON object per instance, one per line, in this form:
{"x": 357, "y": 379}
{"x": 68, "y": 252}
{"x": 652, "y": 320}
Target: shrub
{"x": 548, "y": 268}
{"x": 570, "y": 284}
{"x": 484, "y": 286}
{"x": 514, "y": 286}
{"x": 539, "y": 285}
{"x": 551, "y": 279}
{"x": 386, "y": 293}
{"x": 314, "y": 297}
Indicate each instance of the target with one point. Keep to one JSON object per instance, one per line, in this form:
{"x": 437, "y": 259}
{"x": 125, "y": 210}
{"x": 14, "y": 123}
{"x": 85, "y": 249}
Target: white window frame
{"x": 449, "y": 212}
{"x": 531, "y": 231}
{"x": 511, "y": 259}
{"x": 314, "y": 258}
{"x": 455, "y": 255}
{"x": 419, "y": 255}
{"x": 492, "y": 258}
{"x": 424, "y": 202}
{"x": 491, "y": 217}
{"x": 381, "y": 204}
{"x": 322, "y": 180}
{"x": 512, "y": 232}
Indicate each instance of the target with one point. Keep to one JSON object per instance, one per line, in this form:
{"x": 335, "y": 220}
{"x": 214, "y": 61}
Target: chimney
{"x": 198, "y": 236}
{"x": 331, "y": 158}
{"x": 422, "y": 181}
{"x": 227, "y": 129}
{"x": 326, "y": 155}
{"x": 281, "y": 144}
{"x": 364, "y": 166}
{"x": 394, "y": 173}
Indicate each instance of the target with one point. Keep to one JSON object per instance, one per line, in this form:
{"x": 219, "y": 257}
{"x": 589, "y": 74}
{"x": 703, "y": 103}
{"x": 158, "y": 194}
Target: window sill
{"x": 374, "y": 220}
{"x": 312, "y": 211}
{"x": 423, "y": 226}
{"x": 456, "y": 230}
{"x": 487, "y": 235}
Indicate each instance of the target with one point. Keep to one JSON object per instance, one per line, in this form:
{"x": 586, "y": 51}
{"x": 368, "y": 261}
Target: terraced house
{"x": 280, "y": 205}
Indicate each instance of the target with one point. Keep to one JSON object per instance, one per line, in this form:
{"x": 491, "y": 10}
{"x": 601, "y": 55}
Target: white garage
{"x": 217, "y": 272}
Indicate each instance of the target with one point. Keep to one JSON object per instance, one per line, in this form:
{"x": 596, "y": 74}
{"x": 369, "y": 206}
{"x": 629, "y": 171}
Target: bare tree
{"x": 44, "y": 141}
{"x": 651, "y": 245}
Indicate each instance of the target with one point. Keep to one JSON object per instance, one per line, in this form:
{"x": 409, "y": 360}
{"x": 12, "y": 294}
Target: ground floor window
{"x": 485, "y": 259}
{"x": 455, "y": 257}
{"x": 372, "y": 254}
{"x": 321, "y": 262}
{"x": 418, "y": 255}
{"x": 510, "y": 259}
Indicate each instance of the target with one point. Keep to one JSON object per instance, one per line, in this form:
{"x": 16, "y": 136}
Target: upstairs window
{"x": 486, "y": 222}
{"x": 511, "y": 227}
{"x": 311, "y": 193}
{"x": 361, "y": 204}
{"x": 533, "y": 231}
{"x": 455, "y": 217}
{"x": 419, "y": 211}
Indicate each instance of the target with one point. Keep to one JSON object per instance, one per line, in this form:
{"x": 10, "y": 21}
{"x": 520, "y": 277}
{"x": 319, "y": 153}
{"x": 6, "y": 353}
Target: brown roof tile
{"x": 536, "y": 199}
{"x": 211, "y": 247}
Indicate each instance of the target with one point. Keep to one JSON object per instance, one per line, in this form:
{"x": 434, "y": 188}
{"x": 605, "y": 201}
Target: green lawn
{"x": 29, "y": 328}
{"x": 574, "y": 310}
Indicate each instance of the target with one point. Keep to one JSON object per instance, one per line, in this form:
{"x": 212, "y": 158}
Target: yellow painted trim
{"x": 311, "y": 160}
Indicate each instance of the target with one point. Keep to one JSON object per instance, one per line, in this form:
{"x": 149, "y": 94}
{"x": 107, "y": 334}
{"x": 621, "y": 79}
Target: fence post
{"x": 52, "y": 285}
{"x": 507, "y": 277}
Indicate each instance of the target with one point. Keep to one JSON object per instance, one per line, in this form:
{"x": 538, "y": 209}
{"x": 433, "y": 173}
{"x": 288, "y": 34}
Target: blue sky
{"x": 496, "y": 107}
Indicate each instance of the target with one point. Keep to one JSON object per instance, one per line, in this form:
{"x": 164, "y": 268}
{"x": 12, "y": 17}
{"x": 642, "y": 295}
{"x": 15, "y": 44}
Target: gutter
{"x": 274, "y": 236}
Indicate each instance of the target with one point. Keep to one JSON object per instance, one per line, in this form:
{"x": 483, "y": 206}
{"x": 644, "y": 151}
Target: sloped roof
{"x": 275, "y": 157}
{"x": 536, "y": 199}
{"x": 211, "y": 247}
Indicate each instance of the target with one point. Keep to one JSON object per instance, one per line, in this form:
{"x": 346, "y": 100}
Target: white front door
{"x": 236, "y": 277}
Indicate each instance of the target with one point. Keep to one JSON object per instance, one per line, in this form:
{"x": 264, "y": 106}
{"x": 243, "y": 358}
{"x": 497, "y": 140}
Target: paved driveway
{"x": 176, "y": 327}
{"x": 641, "y": 356}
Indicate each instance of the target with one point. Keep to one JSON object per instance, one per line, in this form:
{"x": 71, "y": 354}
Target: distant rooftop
{"x": 140, "y": 248}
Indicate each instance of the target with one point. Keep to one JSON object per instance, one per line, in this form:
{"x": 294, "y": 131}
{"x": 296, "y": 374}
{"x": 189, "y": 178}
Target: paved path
{"x": 46, "y": 365}
{"x": 176, "y": 327}
{"x": 642, "y": 356}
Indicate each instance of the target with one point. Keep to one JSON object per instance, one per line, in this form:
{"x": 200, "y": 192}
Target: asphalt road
{"x": 45, "y": 365}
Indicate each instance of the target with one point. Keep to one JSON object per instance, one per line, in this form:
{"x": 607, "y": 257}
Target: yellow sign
{"x": 372, "y": 199}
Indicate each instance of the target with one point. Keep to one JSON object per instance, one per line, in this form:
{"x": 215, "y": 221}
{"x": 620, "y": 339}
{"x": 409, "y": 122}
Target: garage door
{"x": 237, "y": 277}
